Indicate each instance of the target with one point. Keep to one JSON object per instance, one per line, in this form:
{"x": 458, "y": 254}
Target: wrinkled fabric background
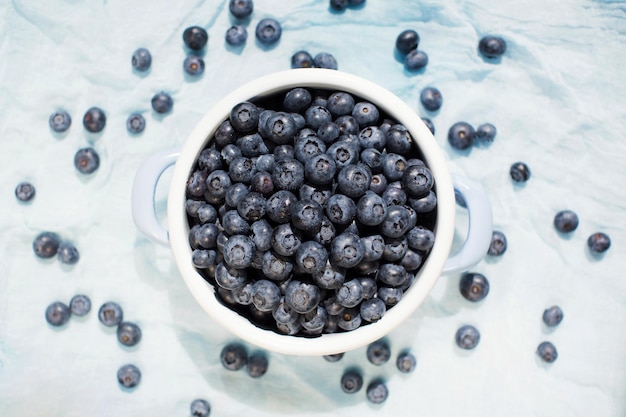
{"x": 556, "y": 98}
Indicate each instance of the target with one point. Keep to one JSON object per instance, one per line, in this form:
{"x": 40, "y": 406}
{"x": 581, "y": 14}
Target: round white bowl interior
{"x": 178, "y": 226}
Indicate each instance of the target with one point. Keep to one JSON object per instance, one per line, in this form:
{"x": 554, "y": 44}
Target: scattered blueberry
{"x": 415, "y": 60}
{"x": 566, "y": 221}
{"x": 46, "y": 244}
{"x": 519, "y": 172}
{"x": 407, "y": 41}
{"x": 86, "y": 160}
{"x": 128, "y": 376}
{"x": 135, "y": 123}
{"x": 338, "y": 5}
{"x": 325, "y": 60}
{"x": 200, "y": 408}
{"x": 162, "y": 102}
{"x": 377, "y": 392}
{"x": 60, "y": 121}
{"x": 474, "y": 286}
{"x": 57, "y": 314}
{"x": 80, "y": 305}
{"x": 94, "y": 120}
{"x": 498, "y": 244}
{"x": 195, "y": 37}
{"x": 241, "y": 8}
{"x": 406, "y": 362}
{"x": 599, "y": 242}
{"x": 302, "y": 59}
{"x": 110, "y": 314}
{"x": 25, "y": 191}
{"x": 268, "y": 31}
{"x": 67, "y": 253}
{"x": 461, "y": 135}
{"x": 334, "y": 357}
{"x": 431, "y": 98}
{"x": 378, "y": 352}
{"x": 486, "y": 133}
{"x": 547, "y": 352}
{"x": 141, "y": 60}
{"x": 552, "y": 316}
{"x": 234, "y": 356}
{"x": 492, "y": 46}
{"x": 429, "y": 124}
{"x": 257, "y": 364}
{"x": 193, "y": 65}
{"x": 128, "y": 334}
{"x": 236, "y": 35}
{"x": 351, "y": 381}
{"x": 467, "y": 337}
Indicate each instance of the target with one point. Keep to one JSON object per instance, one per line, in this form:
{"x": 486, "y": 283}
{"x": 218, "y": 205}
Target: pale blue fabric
{"x": 556, "y": 97}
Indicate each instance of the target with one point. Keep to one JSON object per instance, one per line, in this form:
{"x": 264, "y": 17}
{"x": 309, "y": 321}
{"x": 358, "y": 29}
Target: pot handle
{"x": 480, "y": 226}
{"x": 144, "y": 186}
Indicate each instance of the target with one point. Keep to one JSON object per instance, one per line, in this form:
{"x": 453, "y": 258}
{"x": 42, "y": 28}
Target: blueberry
{"x": 203, "y": 259}
{"x": 329, "y": 276}
{"x": 334, "y": 357}
{"x": 265, "y": 295}
{"x": 326, "y": 233}
{"x": 346, "y": 250}
{"x": 195, "y": 37}
{"x": 491, "y": 46}
{"x": 319, "y": 194}
{"x": 547, "y": 352}
{"x": 283, "y": 152}
{"x": 257, "y": 365}
{"x": 60, "y": 121}
{"x": 302, "y": 297}
{"x": 128, "y": 334}
{"x": 320, "y": 169}
{"x": 415, "y": 60}
{"x": 371, "y": 209}
{"x": 276, "y": 267}
{"x": 365, "y": 113}
{"x": 251, "y": 206}
{"x": 420, "y": 238}
{"x": 325, "y": 60}
{"x": 196, "y": 183}
{"x": 288, "y": 174}
{"x": 229, "y": 278}
{"x": 390, "y": 296}
{"x": 411, "y": 261}
{"x": 314, "y": 321}
{"x": 349, "y": 319}
{"x": 340, "y": 103}
{"x": 350, "y": 294}
{"x": 252, "y": 145}
{"x": 378, "y": 352}
{"x": 80, "y": 305}
{"x": 431, "y": 98}
{"x": 347, "y": 124}
{"x": 307, "y": 215}
{"x": 280, "y": 128}
{"x": 57, "y": 314}
{"x": 372, "y": 310}
{"x": 344, "y": 153}
{"x": 135, "y": 123}
{"x": 291, "y": 328}
{"x": 193, "y": 65}
{"x": 351, "y": 381}
{"x": 141, "y": 60}
{"x": 244, "y": 117}
{"x": 379, "y": 182}
{"x": 467, "y": 337}
{"x": 200, "y": 408}
{"x": 243, "y": 294}
{"x": 552, "y": 316}
{"x": 225, "y": 134}
{"x": 302, "y": 59}
{"x": 265, "y": 163}
{"x": 162, "y": 102}
{"x": 398, "y": 140}
{"x": 339, "y": 5}
{"x": 417, "y": 181}
{"x": 406, "y": 362}
{"x": 307, "y": 148}
{"x": 373, "y": 246}
{"x": 599, "y": 242}
{"x": 241, "y": 8}
{"x": 474, "y": 286}
{"x": 261, "y": 235}
{"x": 286, "y": 240}
{"x": 372, "y": 137}
{"x": 284, "y": 314}
{"x": 519, "y": 172}
{"x": 217, "y": 184}
{"x": 498, "y": 244}
{"x": 128, "y": 376}
{"x": 424, "y": 204}
{"x": 110, "y": 314}
{"x": 486, "y": 133}
{"x": 429, "y": 124}
{"x": 25, "y": 191}
{"x": 229, "y": 152}
{"x": 239, "y": 251}
{"x": 94, "y": 120}
{"x": 354, "y": 180}
{"x": 236, "y": 35}
{"x": 566, "y": 221}
{"x": 397, "y": 222}
{"x": 392, "y": 275}
{"x": 377, "y": 392}
{"x": 461, "y": 135}
{"x": 393, "y": 166}
{"x": 278, "y": 206}
{"x": 268, "y": 31}
{"x": 46, "y": 244}
{"x": 67, "y": 253}
{"x": 395, "y": 249}
{"x": 315, "y": 116}
{"x": 407, "y": 41}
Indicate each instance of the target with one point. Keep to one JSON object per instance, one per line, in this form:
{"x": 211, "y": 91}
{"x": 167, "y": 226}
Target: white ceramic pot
{"x": 438, "y": 262}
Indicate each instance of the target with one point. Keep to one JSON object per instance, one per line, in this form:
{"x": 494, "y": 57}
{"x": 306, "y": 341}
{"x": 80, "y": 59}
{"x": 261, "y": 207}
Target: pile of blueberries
{"x": 310, "y": 211}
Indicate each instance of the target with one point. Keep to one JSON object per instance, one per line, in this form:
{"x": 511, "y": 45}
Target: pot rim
{"x": 205, "y": 294}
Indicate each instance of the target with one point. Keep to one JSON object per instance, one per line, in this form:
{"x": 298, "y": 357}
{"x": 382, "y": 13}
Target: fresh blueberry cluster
{"x": 49, "y": 244}
{"x": 462, "y": 135}
{"x": 566, "y": 222}
{"x": 111, "y": 314}
{"x": 406, "y": 45}
{"x": 303, "y": 59}
{"x": 234, "y": 357}
{"x": 310, "y": 211}
{"x": 59, "y": 313}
